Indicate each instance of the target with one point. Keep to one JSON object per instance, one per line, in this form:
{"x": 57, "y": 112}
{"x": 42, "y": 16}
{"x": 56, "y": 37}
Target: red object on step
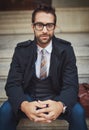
{"x": 84, "y": 97}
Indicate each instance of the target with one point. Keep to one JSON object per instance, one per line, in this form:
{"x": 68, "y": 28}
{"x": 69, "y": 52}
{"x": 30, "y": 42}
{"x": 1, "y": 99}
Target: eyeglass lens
{"x": 40, "y": 26}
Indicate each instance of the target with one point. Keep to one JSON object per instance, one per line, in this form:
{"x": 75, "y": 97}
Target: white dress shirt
{"x": 38, "y": 61}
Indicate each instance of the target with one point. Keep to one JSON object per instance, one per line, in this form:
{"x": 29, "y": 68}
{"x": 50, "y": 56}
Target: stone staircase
{"x": 68, "y": 20}
{"x": 16, "y": 27}
{"x": 25, "y": 124}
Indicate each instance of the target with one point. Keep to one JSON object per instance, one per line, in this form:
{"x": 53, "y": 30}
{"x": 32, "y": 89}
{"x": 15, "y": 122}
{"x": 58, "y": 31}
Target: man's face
{"x": 43, "y": 33}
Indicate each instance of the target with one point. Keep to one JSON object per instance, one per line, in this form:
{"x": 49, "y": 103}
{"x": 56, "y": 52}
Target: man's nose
{"x": 45, "y": 29}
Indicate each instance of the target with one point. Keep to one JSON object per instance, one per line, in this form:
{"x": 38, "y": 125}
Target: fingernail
{"x": 49, "y": 121}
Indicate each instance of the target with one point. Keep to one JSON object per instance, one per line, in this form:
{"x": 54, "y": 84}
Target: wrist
{"x": 64, "y": 107}
{"x": 23, "y": 105}
{"x": 61, "y": 106}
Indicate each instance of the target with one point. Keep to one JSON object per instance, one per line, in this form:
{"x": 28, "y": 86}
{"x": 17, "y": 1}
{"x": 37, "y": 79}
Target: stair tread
{"x": 57, "y": 125}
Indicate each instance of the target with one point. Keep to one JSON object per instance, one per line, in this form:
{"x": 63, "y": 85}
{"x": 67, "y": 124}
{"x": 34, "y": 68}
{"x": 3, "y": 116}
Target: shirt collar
{"x": 48, "y": 48}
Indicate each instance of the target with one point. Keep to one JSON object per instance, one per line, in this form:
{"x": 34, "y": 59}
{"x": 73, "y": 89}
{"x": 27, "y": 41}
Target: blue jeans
{"x": 76, "y": 119}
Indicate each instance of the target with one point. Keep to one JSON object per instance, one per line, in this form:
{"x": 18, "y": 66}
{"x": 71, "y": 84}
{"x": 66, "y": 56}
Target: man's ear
{"x": 32, "y": 26}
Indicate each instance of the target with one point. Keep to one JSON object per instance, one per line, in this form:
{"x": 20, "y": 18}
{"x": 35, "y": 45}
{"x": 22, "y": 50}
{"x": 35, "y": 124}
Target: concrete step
{"x": 3, "y": 96}
{"x": 26, "y": 124}
{"x": 68, "y": 20}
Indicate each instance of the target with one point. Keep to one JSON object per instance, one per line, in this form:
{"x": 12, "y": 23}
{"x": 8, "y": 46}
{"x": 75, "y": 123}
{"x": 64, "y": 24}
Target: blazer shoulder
{"x": 24, "y": 44}
{"x": 64, "y": 42}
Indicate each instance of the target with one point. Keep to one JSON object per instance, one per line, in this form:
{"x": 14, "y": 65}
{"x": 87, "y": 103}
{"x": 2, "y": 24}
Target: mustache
{"x": 44, "y": 35}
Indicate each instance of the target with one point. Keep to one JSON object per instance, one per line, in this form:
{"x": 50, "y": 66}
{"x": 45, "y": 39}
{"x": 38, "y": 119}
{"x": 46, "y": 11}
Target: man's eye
{"x": 40, "y": 25}
{"x": 50, "y": 25}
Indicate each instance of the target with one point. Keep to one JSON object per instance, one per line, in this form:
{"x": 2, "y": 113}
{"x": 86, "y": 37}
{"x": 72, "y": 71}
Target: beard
{"x": 44, "y": 39}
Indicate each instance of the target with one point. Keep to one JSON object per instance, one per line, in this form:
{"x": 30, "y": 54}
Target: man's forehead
{"x": 44, "y": 17}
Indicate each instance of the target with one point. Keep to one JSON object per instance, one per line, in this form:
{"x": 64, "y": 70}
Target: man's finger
{"x": 43, "y": 120}
{"x": 49, "y": 116}
{"x": 43, "y": 110}
{"x": 40, "y": 105}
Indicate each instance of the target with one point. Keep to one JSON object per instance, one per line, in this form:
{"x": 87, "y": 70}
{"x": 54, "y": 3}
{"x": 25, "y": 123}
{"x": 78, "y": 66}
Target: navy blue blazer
{"x": 63, "y": 72}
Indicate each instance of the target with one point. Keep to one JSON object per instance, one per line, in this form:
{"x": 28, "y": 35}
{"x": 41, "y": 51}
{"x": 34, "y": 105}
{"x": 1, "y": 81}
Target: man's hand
{"x": 30, "y": 109}
{"x": 54, "y": 109}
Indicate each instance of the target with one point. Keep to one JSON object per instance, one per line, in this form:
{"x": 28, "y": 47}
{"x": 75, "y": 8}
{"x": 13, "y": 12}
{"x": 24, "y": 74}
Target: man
{"x": 43, "y": 82}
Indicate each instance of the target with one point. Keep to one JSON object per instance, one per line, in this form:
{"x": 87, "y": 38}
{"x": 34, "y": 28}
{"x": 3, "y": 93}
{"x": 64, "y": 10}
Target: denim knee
{"x": 6, "y": 112}
{"x": 78, "y": 110}
{"x": 7, "y": 117}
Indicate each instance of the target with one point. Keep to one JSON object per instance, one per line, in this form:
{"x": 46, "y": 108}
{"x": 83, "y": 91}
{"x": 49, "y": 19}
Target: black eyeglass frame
{"x": 47, "y": 26}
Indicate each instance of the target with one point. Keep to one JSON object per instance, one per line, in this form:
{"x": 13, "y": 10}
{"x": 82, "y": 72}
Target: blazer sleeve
{"x": 69, "y": 81}
{"x": 14, "y": 84}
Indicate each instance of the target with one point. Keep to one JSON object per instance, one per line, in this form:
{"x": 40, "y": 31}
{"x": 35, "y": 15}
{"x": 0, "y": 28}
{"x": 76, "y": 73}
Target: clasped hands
{"x": 42, "y": 111}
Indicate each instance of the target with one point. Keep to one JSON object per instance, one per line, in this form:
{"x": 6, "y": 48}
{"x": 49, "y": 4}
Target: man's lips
{"x": 44, "y": 36}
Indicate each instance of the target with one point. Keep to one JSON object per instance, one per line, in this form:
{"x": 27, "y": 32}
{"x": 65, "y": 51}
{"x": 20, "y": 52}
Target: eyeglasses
{"x": 39, "y": 26}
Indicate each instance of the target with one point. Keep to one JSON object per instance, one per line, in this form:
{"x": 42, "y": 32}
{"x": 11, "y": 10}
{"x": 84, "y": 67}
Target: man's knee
{"x": 7, "y": 117}
{"x": 78, "y": 110}
{"x": 5, "y": 109}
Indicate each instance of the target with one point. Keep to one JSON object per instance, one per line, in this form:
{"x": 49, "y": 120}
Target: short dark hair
{"x": 44, "y": 8}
